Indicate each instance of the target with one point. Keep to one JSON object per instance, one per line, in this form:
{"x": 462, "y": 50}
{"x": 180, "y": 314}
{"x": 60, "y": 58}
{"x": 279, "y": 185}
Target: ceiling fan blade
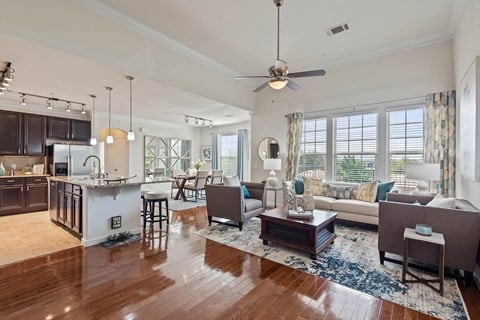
{"x": 292, "y": 85}
{"x": 261, "y": 87}
{"x": 280, "y": 65}
{"x": 252, "y": 77}
{"x": 303, "y": 74}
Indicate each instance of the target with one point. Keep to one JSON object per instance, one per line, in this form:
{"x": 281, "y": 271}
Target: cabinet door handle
{"x": 21, "y": 189}
{"x": 38, "y": 180}
{"x": 10, "y": 180}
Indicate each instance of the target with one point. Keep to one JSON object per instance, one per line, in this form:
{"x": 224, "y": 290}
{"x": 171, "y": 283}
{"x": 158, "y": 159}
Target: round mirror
{"x": 268, "y": 148}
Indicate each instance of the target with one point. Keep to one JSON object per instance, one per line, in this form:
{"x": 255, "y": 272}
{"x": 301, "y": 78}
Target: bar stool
{"x": 150, "y": 199}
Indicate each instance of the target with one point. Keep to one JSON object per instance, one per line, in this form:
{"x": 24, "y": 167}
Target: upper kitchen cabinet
{"x": 68, "y": 129}
{"x": 58, "y": 128}
{"x": 34, "y": 134}
{"x": 10, "y": 133}
{"x": 80, "y": 130}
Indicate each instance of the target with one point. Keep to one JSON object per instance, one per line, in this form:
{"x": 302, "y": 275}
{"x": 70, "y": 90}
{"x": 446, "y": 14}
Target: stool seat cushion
{"x": 153, "y": 195}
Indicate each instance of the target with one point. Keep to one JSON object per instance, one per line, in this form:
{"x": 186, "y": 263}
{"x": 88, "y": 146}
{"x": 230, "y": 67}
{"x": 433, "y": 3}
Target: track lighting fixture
{"x": 49, "y": 104}
{"x": 83, "y": 109}
{"x": 93, "y": 139}
{"x": 196, "y": 121}
{"x": 68, "y": 107}
{"x": 6, "y": 76}
{"x": 49, "y": 101}
{"x": 130, "y": 134}
{"x": 109, "y": 137}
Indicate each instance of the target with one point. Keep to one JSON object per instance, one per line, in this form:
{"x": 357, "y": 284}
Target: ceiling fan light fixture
{"x": 278, "y": 84}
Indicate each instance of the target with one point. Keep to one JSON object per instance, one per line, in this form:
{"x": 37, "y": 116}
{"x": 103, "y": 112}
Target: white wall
{"x": 466, "y": 48}
{"x": 402, "y": 75}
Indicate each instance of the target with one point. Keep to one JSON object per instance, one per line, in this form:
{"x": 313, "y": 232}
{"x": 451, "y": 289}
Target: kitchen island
{"x": 94, "y": 209}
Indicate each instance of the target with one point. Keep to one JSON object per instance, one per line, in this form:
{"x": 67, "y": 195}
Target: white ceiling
{"x": 185, "y": 53}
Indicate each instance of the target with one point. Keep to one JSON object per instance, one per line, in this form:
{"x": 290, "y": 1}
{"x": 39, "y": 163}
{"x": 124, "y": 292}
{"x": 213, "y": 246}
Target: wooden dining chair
{"x": 175, "y": 186}
{"x": 217, "y": 177}
{"x": 198, "y": 184}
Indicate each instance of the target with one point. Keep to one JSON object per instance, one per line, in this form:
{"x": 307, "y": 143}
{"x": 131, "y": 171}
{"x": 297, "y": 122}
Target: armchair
{"x": 460, "y": 227}
{"x": 228, "y": 202}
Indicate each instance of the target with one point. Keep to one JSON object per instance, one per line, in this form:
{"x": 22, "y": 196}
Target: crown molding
{"x": 140, "y": 28}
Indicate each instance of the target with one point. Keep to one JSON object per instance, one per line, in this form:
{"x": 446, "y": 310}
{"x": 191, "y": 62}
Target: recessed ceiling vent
{"x": 337, "y": 29}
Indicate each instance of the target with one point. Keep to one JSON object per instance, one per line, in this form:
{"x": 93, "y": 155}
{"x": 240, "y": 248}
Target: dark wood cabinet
{"x": 34, "y": 135}
{"x": 77, "y": 213}
{"x": 80, "y": 130}
{"x": 11, "y": 195}
{"x": 36, "y": 195}
{"x": 69, "y": 206}
{"x": 58, "y": 128}
{"x": 11, "y": 133}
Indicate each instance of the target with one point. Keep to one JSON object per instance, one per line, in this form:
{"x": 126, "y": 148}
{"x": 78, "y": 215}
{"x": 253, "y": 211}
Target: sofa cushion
{"x": 252, "y": 204}
{"x": 367, "y": 191}
{"x": 231, "y": 181}
{"x": 323, "y": 203}
{"x": 245, "y": 192}
{"x": 383, "y": 188}
{"x": 340, "y": 192}
{"x": 314, "y": 185}
{"x": 299, "y": 186}
{"x": 441, "y": 202}
{"x": 356, "y": 206}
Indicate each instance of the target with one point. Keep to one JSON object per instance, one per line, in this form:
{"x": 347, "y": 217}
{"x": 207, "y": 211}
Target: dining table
{"x": 181, "y": 180}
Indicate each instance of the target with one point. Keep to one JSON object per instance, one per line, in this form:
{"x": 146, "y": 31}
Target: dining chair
{"x": 175, "y": 186}
{"x": 217, "y": 177}
{"x": 198, "y": 184}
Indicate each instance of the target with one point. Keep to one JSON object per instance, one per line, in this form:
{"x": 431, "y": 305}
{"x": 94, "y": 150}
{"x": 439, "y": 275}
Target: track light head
{"x": 49, "y": 104}
{"x": 68, "y": 107}
{"x": 186, "y": 119}
{"x": 83, "y": 109}
{"x": 23, "y": 100}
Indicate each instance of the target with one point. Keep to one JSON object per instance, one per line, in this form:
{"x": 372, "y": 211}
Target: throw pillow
{"x": 231, "y": 181}
{"x": 299, "y": 187}
{"x": 246, "y": 193}
{"x": 314, "y": 185}
{"x": 367, "y": 191}
{"x": 339, "y": 192}
{"x": 382, "y": 190}
{"x": 441, "y": 202}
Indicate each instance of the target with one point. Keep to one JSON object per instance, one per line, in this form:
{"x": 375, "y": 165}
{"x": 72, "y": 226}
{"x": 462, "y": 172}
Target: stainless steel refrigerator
{"x": 67, "y": 160}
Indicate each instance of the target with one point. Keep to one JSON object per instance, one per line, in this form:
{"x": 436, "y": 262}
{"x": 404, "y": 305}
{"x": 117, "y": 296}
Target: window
{"x": 405, "y": 145}
{"x": 355, "y": 147}
{"x": 228, "y": 154}
{"x": 313, "y": 148}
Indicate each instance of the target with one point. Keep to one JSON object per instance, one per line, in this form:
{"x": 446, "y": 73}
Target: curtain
{"x": 242, "y": 154}
{"x": 215, "y": 151}
{"x": 294, "y": 124}
{"x": 440, "y": 137}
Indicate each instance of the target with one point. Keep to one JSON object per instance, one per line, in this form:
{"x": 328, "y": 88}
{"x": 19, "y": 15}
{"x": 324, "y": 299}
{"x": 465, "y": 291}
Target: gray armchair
{"x": 227, "y": 202}
{"x": 460, "y": 227}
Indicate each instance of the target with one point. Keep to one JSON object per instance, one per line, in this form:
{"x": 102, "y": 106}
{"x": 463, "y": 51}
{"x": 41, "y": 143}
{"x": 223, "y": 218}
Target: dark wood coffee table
{"x": 311, "y": 236}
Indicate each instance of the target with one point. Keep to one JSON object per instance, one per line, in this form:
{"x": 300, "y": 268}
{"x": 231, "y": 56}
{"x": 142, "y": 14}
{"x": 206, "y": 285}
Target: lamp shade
{"x": 423, "y": 171}
{"x": 272, "y": 164}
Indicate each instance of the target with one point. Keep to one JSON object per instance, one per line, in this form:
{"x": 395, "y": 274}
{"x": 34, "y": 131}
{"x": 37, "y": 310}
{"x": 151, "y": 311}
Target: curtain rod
{"x": 366, "y": 104}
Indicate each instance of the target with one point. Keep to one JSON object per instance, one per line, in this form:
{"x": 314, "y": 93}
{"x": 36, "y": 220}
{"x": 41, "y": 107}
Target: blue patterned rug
{"x": 352, "y": 260}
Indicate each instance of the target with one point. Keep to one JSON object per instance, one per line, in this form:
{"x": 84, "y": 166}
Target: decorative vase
{"x": 308, "y": 203}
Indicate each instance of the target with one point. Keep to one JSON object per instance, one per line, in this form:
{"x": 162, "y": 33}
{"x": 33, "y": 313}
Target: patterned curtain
{"x": 294, "y": 123}
{"x": 440, "y": 137}
{"x": 215, "y": 151}
{"x": 242, "y": 154}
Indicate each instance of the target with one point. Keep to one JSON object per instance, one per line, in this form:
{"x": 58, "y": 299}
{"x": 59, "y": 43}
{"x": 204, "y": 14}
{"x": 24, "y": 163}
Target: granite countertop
{"x": 22, "y": 175}
{"x": 106, "y": 183}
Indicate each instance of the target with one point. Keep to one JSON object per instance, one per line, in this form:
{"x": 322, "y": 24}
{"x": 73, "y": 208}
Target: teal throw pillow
{"x": 246, "y": 194}
{"x": 299, "y": 187}
{"x": 383, "y": 189}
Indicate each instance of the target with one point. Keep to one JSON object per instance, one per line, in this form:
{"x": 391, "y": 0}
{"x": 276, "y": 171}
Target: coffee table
{"x": 311, "y": 236}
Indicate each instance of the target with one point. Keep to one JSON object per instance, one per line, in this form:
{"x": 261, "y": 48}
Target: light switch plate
{"x": 116, "y": 222}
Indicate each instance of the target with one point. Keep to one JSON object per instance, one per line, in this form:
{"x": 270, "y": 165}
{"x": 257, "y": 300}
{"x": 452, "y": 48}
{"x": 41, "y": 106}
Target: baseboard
{"x": 92, "y": 242}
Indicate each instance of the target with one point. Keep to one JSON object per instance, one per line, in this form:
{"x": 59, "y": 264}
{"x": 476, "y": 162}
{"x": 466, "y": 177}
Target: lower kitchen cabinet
{"x": 69, "y": 205}
{"x": 21, "y": 195}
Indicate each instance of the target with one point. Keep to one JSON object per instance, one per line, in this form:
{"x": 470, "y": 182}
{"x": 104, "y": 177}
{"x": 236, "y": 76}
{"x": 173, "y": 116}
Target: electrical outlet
{"x": 116, "y": 222}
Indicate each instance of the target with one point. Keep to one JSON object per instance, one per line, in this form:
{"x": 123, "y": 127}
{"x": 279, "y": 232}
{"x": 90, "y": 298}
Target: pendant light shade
{"x": 93, "y": 139}
{"x": 109, "y": 137}
{"x": 131, "y": 134}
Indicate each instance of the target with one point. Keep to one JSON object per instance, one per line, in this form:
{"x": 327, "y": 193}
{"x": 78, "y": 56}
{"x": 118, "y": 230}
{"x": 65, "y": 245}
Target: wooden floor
{"x": 175, "y": 274}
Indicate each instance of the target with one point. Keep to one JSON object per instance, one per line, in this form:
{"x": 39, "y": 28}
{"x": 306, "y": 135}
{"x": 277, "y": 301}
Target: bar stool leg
{"x": 166, "y": 206}
{"x": 160, "y": 213}
{"x": 144, "y": 213}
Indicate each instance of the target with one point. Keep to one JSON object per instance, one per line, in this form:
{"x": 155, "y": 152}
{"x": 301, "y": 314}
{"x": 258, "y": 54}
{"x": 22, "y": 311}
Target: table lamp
{"x": 423, "y": 172}
{"x": 272, "y": 164}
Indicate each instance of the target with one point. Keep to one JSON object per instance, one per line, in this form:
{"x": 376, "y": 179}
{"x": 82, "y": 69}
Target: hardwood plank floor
{"x": 175, "y": 274}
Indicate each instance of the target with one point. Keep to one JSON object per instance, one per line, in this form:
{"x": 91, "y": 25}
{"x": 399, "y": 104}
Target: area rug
{"x": 352, "y": 261}
{"x": 180, "y": 205}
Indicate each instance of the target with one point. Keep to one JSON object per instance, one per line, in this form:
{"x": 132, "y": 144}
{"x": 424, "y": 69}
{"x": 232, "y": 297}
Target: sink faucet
{"x": 100, "y": 175}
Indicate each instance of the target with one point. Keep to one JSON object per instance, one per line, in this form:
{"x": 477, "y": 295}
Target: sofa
{"x": 460, "y": 228}
{"x": 229, "y": 202}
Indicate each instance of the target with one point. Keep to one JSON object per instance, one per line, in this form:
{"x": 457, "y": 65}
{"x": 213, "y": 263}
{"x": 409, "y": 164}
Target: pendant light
{"x": 109, "y": 137}
{"x": 131, "y": 134}
{"x": 93, "y": 139}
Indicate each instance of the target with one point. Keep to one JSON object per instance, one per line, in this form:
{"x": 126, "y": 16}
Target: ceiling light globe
{"x": 109, "y": 139}
{"x": 278, "y": 84}
{"x": 130, "y": 136}
{"x": 93, "y": 141}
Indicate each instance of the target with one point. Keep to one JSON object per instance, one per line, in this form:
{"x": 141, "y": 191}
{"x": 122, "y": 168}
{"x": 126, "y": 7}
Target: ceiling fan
{"x": 278, "y": 73}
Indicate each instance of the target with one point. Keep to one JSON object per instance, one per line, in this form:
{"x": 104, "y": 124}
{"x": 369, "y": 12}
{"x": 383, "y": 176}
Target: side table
{"x": 275, "y": 190}
{"x": 435, "y": 238}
